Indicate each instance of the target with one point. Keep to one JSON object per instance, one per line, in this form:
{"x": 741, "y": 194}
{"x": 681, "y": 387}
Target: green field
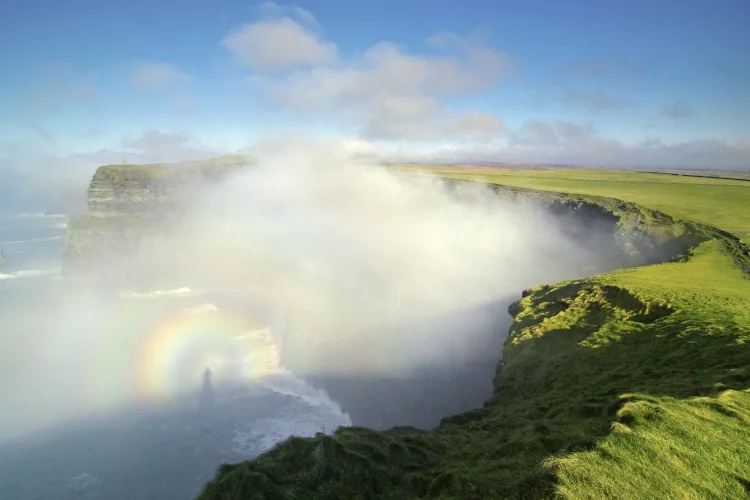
{"x": 724, "y": 203}
{"x": 633, "y": 384}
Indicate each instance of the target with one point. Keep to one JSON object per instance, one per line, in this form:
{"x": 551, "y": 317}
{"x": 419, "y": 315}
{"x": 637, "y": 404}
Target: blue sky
{"x": 659, "y": 82}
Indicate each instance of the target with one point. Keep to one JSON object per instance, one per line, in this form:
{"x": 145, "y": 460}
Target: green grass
{"x": 669, "y": 449}
{"x": 165, "y": 171}
{"x": 723, "y": 203}
{"x": 632, "y": 384}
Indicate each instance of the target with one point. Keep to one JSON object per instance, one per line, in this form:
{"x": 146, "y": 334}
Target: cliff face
{"x": 633, "y": 235}
{"x": 130, "y": 207}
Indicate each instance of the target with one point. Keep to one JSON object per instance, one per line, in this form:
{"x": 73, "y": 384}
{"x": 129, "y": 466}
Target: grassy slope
{"x": 632, "y": 384}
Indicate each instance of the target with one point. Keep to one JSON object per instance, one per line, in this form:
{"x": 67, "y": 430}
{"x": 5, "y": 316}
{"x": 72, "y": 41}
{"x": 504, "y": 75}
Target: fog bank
{"x": 387, "y": 289}
{"x": 356, "y": 253}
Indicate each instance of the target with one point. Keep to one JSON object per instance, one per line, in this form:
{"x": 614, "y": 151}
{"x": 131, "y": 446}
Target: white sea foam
{"x": 263, "y": 363}
{"x": 35, "y": 240}
{"x": 289, "y": 385}
{"x": 82, "y": 481}
{"x": 200, "y": 309}
{"x": 28, "y": 273}
{"x": 323, "y": 416}
{"x": 179, "y": 292}
{"x": 39, "y": 215}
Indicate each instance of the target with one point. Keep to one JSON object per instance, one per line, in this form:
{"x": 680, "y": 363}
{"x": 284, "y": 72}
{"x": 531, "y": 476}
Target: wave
{"x": 176, "y": 292}
{"x": 201, "y": 309}
{"x": 323, "y": 415}
{"x": 82, "y": 481}
{"x": 39, "y": 215}
{"x": 28, "y": 273}
{"x": 14, "y": 242}
{"x": 179, "y": 292}
{"x": 289, "y": 385}
{"x": 265, "y": 361}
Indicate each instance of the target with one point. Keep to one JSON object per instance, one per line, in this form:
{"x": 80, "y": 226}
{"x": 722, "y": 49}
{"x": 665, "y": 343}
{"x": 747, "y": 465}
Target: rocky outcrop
{"x": 128, "y": 205}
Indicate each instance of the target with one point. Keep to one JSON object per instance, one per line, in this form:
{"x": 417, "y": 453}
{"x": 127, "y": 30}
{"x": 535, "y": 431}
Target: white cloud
{"x": 552, "y": 146}
{"x": 274, "y": 10}
{"x": 385, "y": 71}
{"x": 385, "y": 92}
{"x": 275, "y": 44}
{"x": 424, "y": 119}
{"x": 155, "y": 76}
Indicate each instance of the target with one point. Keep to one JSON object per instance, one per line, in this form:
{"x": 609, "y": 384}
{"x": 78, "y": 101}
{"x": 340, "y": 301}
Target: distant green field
{"x": 634, "y": 384}
{"x": 723, "y": 203}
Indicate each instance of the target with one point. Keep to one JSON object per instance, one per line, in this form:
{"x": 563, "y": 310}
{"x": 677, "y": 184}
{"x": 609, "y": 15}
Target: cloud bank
{"x": 356, "y": 253}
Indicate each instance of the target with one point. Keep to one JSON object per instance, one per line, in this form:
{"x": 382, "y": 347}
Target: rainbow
{"x": 157, "y": 348}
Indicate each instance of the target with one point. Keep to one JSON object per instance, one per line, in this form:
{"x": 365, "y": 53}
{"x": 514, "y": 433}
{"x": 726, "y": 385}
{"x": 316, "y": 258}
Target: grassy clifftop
{"x": 168, "y": 171}
{"x": 633, "y": 384}
{"x": 717, "y": 202}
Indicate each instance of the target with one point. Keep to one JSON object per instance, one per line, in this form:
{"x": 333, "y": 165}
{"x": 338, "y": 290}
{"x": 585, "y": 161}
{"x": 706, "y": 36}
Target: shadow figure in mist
{"x": 207, "y": 392}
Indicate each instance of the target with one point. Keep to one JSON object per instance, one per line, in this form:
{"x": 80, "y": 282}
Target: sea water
{"x": 100, "y": 384}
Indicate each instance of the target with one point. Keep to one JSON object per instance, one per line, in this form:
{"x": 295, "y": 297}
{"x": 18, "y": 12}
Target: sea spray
{"x": 288, "y": 384}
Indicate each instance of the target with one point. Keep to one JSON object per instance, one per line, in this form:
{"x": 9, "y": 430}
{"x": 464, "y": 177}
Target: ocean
{"x": 114, "y": 393}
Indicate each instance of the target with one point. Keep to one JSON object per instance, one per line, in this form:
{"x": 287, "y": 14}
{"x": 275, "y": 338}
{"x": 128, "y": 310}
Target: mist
{"x": 390, "y": 282}
{"x": 317, "y": 290}
{"x": 387, "y": 282}
{"x": 355, "y": 252}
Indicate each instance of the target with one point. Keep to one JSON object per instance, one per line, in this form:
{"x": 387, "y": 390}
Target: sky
{"x": 636, "y": 83}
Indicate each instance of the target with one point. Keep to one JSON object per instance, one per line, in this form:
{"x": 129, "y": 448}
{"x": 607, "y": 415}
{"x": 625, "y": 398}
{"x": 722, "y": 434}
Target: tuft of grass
{"x": 671, "y": 448}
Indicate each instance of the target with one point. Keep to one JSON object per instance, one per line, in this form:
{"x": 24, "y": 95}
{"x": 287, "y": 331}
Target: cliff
{"x": 131, "y": 206}
{"x": 609, "y": 387}
{"x": 631, "y": 384}
{"x": 641, "y": 235}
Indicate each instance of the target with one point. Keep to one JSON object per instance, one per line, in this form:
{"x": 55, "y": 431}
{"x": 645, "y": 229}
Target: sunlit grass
{"x": 723, "y": 203}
